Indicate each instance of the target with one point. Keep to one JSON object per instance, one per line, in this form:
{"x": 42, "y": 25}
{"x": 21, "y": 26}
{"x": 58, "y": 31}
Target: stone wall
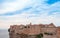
{"x": 31, "y": 31}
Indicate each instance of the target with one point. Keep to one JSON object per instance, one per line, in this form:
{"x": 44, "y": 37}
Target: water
{"x": 4, "y": 34}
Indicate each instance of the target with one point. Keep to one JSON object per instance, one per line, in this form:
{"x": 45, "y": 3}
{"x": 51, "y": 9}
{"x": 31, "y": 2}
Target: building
{"x": 34, "y": 31}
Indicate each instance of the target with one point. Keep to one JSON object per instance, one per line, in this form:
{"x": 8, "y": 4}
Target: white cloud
{"x": 24, "y": 18}
{"x": 13, "y": 6}
{"x": 32, "y": 15}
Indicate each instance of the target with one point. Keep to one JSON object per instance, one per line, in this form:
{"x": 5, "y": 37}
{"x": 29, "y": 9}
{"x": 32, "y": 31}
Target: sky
{"x": 16, "y": 12}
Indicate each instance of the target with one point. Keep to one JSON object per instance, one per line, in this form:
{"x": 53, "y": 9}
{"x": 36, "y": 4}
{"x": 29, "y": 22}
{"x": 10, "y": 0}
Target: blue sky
{"x": 26, "y": 11}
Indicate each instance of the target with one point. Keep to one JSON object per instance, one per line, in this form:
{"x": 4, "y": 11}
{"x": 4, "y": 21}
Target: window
{"x": 48, "y": 33}
{"x": 28, "y": 26}
{"x": 25, "y": 26}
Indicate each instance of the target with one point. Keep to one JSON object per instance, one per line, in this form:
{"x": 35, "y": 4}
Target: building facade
{"x": 34, "y": 31}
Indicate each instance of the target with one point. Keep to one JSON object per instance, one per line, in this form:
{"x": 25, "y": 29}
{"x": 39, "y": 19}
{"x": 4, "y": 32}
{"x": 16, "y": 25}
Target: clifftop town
{"x": 34, "y": 31}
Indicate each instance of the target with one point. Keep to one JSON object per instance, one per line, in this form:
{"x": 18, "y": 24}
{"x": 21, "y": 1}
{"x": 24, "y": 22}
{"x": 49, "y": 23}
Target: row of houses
{"x": 34, "y": 31}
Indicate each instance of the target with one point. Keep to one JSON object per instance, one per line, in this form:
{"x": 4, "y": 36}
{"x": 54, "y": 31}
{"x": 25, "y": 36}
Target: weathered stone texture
{"x": 31, "y": 31}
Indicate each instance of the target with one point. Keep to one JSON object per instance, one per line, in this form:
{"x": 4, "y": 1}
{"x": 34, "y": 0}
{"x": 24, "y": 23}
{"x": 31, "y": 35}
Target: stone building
{"x": 34, "y": 31}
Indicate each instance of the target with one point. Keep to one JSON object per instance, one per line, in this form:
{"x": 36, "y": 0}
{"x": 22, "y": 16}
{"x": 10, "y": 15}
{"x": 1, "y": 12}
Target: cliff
{"x": 34, "y": 31}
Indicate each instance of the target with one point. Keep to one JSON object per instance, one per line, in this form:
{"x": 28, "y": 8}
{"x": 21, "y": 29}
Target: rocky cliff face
{"x": 34, "y": 31}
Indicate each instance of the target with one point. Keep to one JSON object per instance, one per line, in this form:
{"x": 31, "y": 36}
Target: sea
{"x": 4, "y": 33}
